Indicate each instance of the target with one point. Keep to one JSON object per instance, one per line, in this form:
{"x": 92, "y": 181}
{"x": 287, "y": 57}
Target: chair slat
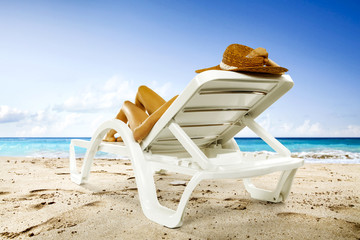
{"x": 230, "y": 91}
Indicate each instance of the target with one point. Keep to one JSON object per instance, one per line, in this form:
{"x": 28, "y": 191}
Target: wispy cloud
{"x": 111, "y": 95}
{"x": 288, "y": 129}
{"x": 309, "y": 129}
{"x": 94, "y": 98}
{"x": 35, "y": 131}
{"x": 51, "y": 123}
{"x": 349, "y": 131}
{"x": 28, "y": 123}
{"x": 8, "y": 114}
{"x": 78, "y": 115}
{"x": 353, "y": 129}
{"x": 81, "y": 114}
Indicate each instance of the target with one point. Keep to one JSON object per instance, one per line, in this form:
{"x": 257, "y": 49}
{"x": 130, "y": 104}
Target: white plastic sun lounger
{"x": 195, "y": 136}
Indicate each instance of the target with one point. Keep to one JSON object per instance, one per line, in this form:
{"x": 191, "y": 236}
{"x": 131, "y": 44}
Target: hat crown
{"x": 235, "y": 56}
{"x": 238, "y": 49}
{"x": 241, "y": 58}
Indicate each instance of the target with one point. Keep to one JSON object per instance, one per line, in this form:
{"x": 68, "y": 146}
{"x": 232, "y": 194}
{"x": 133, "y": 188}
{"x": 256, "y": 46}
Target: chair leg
{"x": 150, "y": 205}
{"x": 143, "y": 175}
{"x": 176, "y": 219}
{"x": 81, "y": 177}
{"x": 75, "y": 176}
{"x": 147, "y": 190}
{"x": 280, "y": 193}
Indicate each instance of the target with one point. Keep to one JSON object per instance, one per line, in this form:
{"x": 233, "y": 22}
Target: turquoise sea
{"x": 325, "y": 150}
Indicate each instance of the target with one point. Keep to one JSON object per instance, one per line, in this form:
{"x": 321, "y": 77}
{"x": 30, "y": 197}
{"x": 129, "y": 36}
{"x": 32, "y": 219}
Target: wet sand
{"x": 38, "y": 201}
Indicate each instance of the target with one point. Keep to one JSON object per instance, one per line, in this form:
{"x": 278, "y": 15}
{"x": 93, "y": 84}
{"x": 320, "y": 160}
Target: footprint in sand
{"x": 238, "y": 204}
{"x": 52, "y": 223}
{"x": 56, "y": 190}
{"x": 60, "y": 222}
{"x": 294, "y": 214}
{"x": 41, "y": 205}
{"x": 92, "y": 204}
{"x": 45, "y": 194}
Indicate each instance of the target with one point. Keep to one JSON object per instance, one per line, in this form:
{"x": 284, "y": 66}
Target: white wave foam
{"x": 325, "y": 156}
{"x": 330, "y": 154}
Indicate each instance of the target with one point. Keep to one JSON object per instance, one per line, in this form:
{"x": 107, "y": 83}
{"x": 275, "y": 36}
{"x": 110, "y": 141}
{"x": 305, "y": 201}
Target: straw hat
{"x": 242, "y": 58}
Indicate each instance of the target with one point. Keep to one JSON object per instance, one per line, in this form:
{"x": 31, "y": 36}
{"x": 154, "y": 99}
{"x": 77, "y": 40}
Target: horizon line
{"x": 234, "y": 137}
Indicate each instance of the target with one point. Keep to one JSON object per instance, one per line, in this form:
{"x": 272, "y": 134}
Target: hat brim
{"x": 265, "y": 69}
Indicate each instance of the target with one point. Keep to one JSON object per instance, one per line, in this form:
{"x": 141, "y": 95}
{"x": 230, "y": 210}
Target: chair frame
{"x": 201, "y": 164}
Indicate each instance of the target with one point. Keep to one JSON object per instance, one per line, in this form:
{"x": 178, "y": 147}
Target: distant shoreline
{"x": 317, "y": 150}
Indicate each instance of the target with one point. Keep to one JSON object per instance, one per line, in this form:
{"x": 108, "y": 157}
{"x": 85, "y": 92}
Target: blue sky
{"x": 66, "y": 66}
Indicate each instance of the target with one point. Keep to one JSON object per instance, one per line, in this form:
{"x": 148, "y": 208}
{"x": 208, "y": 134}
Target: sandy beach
{"x": 39, "y": 201}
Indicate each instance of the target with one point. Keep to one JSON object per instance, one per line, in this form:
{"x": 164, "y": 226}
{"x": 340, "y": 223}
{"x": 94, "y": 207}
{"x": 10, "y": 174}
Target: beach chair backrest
{"x": 211, "y": 108}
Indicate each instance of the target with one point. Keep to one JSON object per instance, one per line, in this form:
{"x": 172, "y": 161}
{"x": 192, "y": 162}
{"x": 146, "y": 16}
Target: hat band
{"x": 224, "y": 66}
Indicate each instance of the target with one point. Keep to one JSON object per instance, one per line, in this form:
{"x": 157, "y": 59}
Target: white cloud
{"x": 53, "y": 123}
{"x": 65, "y": 121}
{"x": 110, "y": 96}
{"x": 36, "y": 131}
{"x": 309, "y": 129}
{"x": 286, "y": 127}
{"x": 349, "y": 131}
{"x": 354, "y": 130}
{"x": 8, "y": 114}
{"x": 97, "y": 121}
{"x": 78, "y": 115}
{"x": 96, "y": 98}
{"x": 164, "y": 90}
{"x": 81, "y": 114}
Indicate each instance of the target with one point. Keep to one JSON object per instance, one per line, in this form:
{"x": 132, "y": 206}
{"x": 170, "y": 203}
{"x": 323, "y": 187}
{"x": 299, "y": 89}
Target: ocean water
{"x": 42, "y": 147}
{"x": 324, "y": 150}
